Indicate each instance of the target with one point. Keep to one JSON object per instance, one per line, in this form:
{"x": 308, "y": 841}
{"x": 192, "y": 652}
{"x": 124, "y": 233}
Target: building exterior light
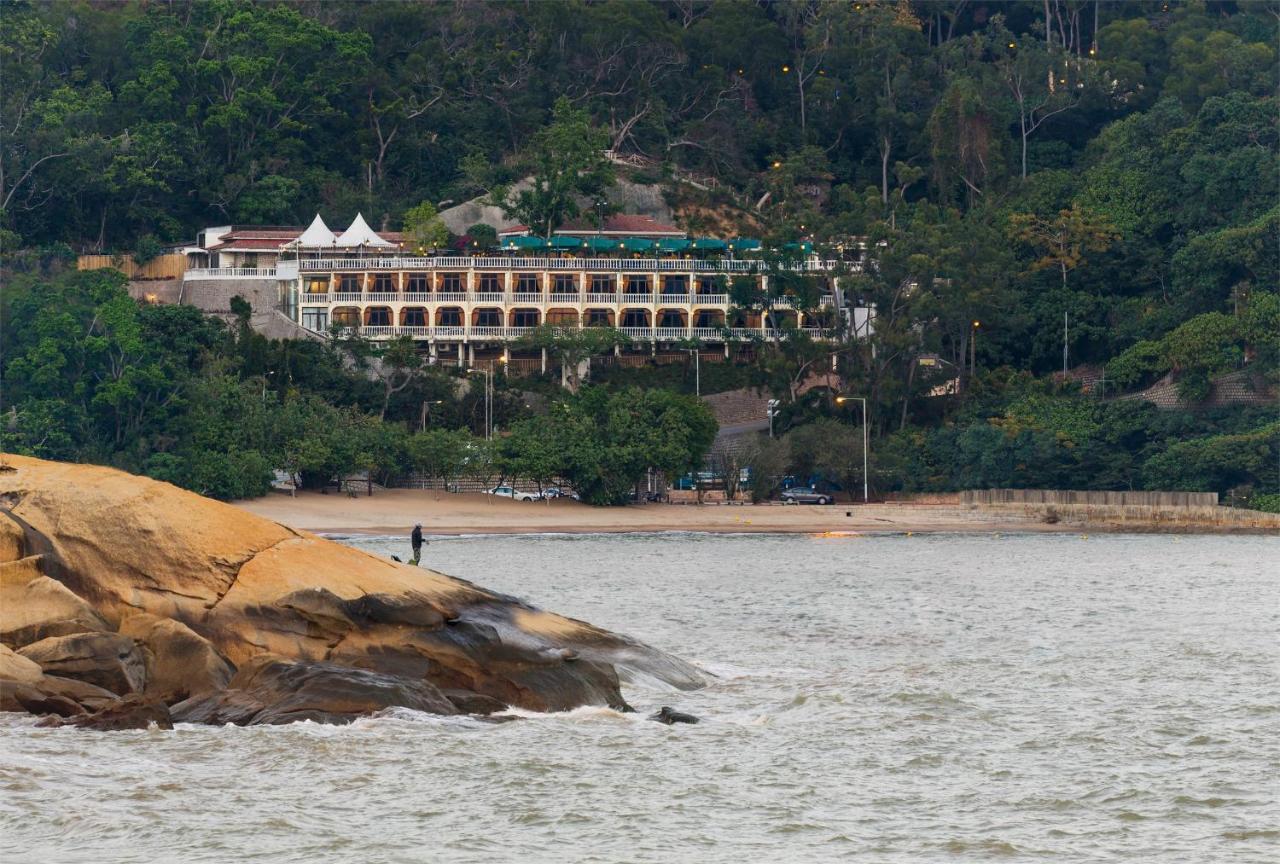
{"x": 777, "y": 164}
{"x": 786, "y": 69}
{"x": 1013, "y": 44}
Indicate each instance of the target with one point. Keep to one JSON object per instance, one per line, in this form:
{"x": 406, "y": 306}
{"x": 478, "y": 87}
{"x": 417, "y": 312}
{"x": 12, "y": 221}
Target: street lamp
{"x": 772, "y": 410}
{"x": 863, "y": 400}
{"x": 422, "y": 422}
{"x": 488, "y": 399}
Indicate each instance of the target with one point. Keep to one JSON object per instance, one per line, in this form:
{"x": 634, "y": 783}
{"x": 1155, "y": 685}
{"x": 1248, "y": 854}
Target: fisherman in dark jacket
{"x": 416, "y": 540}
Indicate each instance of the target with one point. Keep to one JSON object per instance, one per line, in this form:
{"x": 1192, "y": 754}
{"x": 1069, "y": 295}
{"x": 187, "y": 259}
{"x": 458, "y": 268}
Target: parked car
{"x": 805, "y": 495}
{"x": 513, "y": 494}
{"x": 557, "y": 492}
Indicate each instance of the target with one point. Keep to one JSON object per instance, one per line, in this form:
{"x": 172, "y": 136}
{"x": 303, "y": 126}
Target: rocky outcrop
{"x": 179, "y": 661}
{"x": 271, "y": 691}
{"x": 35, "y": 607}
{"x": 106, "y": 660}
{"x": 183, "y": 591}
{"x": 25, "y": 687}
{"x": 132, "y": 712}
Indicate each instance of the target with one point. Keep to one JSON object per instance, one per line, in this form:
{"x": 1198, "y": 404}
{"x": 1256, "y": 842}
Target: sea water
{"x": 875, "y": 698}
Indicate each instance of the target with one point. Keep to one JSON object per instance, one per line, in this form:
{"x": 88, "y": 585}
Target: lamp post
{"x": 772, "y": 409}
{"x": 422, "y": 422}
{"x": 488, "y": 400}
{"x": 863, "y": 400}
{"x": 973, "y": 349}
{"x": 697, "y": 371}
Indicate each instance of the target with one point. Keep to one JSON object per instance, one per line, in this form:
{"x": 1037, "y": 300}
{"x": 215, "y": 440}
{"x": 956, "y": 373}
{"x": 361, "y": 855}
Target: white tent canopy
{"x": 360, "y": 234}
{"x": 318, "y": 234}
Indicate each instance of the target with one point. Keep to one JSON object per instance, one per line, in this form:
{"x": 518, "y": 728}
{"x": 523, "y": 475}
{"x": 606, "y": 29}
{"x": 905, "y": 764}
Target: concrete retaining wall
{"x": 1074, "y": 497}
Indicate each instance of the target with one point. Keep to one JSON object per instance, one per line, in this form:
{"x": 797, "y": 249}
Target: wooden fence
{"x": 1074, "y": 497}
{"x": 170, "y": 266}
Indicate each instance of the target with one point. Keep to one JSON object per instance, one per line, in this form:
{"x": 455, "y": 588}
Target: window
{"x": 318, "y": 286}
{"x": 451, "y": 283}
{"x": 707, "y": 285}
{"x": 450, "y": 317}
{"x": 378, "y": 316}
{"x": 527, "y": 283}
{"x": 489, "y": 284}
{"x": 565, "y": 284}
{"x": 347, "y": 316}
{"x": 524, "y": 318}
{"x": 383, "y": 284}
{"x": 488, "y": 318}
{"x": 675, "y": 285}
{"x": 637, "y": 284}
{"x": 418, "y": 283}
{"x": 415, "y": 317}
{"x": 672, "y": 319}
{"x": 316, "y": 320}
{"x": 597, "y": 318}
{"x": 350, "y": 285}
{"x": 601, "y": 284}
{"x": 635, "y": 318}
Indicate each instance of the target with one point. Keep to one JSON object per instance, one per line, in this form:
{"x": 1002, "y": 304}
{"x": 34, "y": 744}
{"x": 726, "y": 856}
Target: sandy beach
{"x": 395, "y": 511}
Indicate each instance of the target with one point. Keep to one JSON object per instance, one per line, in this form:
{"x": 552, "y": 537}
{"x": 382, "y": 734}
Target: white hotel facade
{"x": 644, "y": 278}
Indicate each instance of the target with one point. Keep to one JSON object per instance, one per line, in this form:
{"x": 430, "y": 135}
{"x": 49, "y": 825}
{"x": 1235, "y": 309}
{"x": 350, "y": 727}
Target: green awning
{"x": 564, "y": 241}
{"x": 744, "y": 244}
{"x": 709, "y": 244}
{"x": 601, "y": 244}
{"x": 637, "y": 244}
{"x": 673, "y": 244}
{"x": 526, "y": 241}
{"x": 805, "y": 247}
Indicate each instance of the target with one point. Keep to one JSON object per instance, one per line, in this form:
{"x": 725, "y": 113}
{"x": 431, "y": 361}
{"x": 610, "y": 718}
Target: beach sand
{"x": 394, "y": 511}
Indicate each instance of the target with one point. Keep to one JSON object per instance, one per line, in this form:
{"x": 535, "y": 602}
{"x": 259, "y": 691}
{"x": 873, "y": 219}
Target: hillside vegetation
{"x": 1023, "y": 173}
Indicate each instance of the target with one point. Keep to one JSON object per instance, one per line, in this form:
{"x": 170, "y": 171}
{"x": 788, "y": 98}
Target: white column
{"x": 544, "y": 361}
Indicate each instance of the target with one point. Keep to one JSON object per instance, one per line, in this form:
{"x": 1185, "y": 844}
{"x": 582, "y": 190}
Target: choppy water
{"x": 880, "y": 699}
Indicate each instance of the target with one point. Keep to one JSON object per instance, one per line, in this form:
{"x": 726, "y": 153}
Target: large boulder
{"x": 250, "y": 587}
{"x": 35, "y": 607}
{"x": 25, "y": 687}
{"x": 131, "y": 712}
{"x": 107, "y": 660}
{"x": 180, "y": 662}
{"x": 12, "y": 546}
{"x": 270, "y": 690}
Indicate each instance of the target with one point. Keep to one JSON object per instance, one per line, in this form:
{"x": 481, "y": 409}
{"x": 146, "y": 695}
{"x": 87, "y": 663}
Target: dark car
{"x": 806, "y": 495}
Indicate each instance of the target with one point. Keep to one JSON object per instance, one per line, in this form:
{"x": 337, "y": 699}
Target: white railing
{"x": 602, "y": 297}
{"x": 489, "y": 297}
{"x": 525, "y": 297}
{"x": 614, "y": 265}
{"x": 451, "y": 297}
{"x": 673, "y": 299}
{"x": 308, "y": 298}
{"x": 646, "y": 334}
{"x": 564, "y": 297}
{"x": 712, "y": 299}
{"x": 347, "y": 297}
{"x": 230, "y": 273}
{"x": 382, "y": 297}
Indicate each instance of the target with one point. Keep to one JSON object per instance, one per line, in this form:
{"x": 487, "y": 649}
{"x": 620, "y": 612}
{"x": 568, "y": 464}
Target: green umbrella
{"x": 744, "y": 244}
{"x": 525, "y": 241}
{"x": 564, "y": 241}
{"x": 637, "y": 244}
{"x": 673, "y": 244}
{"x": 601, "y": 244}
{"x": 709, "y": 244}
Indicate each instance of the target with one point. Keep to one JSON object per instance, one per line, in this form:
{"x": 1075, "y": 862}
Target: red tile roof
{"x": 629, "y": 224}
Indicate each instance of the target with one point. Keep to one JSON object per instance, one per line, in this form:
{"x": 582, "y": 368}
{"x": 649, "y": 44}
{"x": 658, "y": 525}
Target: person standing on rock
{"x": 415, "y": 539}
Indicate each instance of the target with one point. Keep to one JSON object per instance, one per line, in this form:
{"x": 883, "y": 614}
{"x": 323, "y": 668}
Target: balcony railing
{"x": 538, "y": 299}
{"x": 230, "y": 273}
{"x": 598, "y": 265}
{"x": 639, "y": 334}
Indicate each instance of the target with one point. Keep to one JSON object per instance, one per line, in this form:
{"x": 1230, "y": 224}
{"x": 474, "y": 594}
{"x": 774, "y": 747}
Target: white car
{"x": 513, "y": 494}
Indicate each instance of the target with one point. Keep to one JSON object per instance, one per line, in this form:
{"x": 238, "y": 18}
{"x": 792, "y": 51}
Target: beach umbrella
{"x": 637, "y": 244}
{"x": 564, "y": 241}
{"x": 709, "y": 244}
{"x": 745, "y": 244}
{"x": 673, "y": 244}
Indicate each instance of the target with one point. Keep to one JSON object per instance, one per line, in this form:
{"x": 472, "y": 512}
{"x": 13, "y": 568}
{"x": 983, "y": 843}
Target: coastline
{"x": 395, "y": 511}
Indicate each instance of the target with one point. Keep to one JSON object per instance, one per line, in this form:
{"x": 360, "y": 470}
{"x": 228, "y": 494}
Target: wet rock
{"x": 32, "y": 700}
{"x": 132, "y": 712}
{"x": 24, "y": 687}
{"x": 107, "y": 660}
{"x": 180, "y": 662}
{"x": 671, "y": 716}
{"x": 35, "y": 607}
{"x": 468, "y": 702}
{"x": 270, "y": 690}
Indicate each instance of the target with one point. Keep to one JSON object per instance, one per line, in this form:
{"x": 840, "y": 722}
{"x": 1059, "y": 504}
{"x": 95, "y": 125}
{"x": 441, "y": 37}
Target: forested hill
{"x": 1012, "y": 165}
